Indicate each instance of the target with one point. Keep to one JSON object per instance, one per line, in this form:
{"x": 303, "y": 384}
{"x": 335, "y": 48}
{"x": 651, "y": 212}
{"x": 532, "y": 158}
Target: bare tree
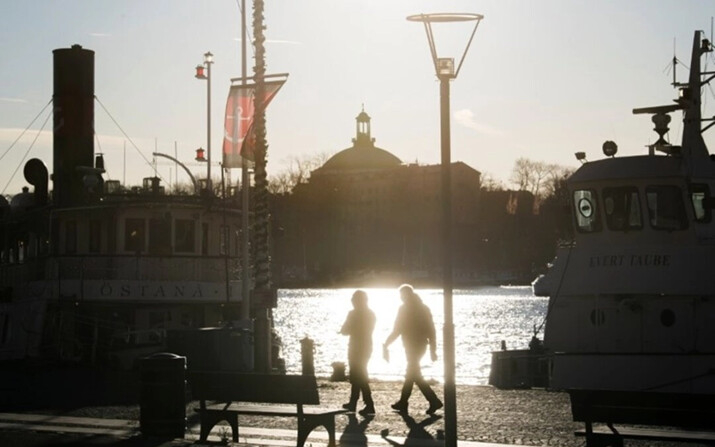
{"x": 521, "y": 174}
{"x": 554, "y": 182}
{"x": 491, "y": 183}
{"x": 297, "y": 172}
{"x": 537, "y": 177}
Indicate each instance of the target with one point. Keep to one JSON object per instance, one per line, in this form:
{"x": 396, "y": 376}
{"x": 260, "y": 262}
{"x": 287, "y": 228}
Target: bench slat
{"x": 650, "y": 433}
{"x": 229, "y": 389}
{"x": 643, "y": 408}
{"x": 267, "y": 410}
{"x": 247, "y": 387}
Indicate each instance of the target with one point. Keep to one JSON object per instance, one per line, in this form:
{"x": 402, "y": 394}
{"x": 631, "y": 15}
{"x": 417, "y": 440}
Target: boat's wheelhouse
{"x": 634, "y": 291}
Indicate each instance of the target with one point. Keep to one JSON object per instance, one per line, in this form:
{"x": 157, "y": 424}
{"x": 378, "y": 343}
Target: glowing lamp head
{"x": 200, "y": 72}
{"x": 445, "y": 67}
{"x": 200, "y": 154}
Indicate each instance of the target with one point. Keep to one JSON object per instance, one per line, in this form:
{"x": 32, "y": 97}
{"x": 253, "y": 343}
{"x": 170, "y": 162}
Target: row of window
{"x": 153, "y": 235}
{"x": 159, "y": 240}
{"x": 622, "y": 209}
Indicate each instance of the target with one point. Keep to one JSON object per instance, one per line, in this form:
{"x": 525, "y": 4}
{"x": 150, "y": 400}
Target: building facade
{"x": 367, "y": 217}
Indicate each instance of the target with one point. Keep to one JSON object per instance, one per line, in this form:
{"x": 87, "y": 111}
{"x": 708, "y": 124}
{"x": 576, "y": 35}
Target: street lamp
{"x": 206, "y": 75}
{"x": 444, "y": 68}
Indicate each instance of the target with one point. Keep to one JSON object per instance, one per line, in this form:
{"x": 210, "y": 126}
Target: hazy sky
{"x": 543, "y": 79}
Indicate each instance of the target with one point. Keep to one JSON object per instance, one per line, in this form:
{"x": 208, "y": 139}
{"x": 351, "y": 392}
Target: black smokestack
{"x": 73, "y": 139}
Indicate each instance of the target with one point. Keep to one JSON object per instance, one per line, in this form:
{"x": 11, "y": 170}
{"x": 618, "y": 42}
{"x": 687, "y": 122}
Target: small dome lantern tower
{"x": 362, "y": 130}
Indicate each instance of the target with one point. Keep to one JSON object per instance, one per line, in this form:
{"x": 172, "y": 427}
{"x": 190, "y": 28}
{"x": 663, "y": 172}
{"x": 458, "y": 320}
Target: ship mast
{"x": 693, "y": 145}
{"x": 691, "y": 102}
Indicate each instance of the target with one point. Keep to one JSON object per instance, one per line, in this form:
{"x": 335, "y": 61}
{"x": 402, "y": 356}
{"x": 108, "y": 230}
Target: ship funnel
{"x": 73, "y": 118}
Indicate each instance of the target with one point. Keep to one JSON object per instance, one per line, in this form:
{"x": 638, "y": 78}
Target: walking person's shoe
{"x": 400, "y": 406}
{"x": 434, "y": 406}
{"x": 369, "y": 410}
{"x": 350, "y": 407}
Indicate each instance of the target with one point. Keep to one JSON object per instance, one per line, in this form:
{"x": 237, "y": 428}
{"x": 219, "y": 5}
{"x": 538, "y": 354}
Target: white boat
{"x": 95, "y": 272}
{"x": 632, "y": 299}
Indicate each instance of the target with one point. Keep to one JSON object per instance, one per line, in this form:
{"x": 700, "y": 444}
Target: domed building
{"x": 364, "y": 214}
{"x": 362, "y": 155}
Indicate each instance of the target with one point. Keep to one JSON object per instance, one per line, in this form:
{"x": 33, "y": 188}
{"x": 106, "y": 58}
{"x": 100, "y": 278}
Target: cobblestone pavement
{"x": 530, "y": 417}
{"x": 484, "y": 414}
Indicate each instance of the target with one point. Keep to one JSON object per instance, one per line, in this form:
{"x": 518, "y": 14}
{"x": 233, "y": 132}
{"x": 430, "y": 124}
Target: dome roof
{"x": 363, "y": 154}
{"x": 359, "y": 157}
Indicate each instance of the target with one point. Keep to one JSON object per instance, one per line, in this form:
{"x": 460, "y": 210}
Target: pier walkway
{"x": 17, "y": 429}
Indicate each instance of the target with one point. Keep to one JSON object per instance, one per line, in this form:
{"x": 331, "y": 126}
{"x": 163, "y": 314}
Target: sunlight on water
{"x": 483, "y": 317}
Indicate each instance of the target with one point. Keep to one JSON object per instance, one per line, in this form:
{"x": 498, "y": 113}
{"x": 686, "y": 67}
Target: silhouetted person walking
{"x": 414, "y": 323}
{"x": 359, "y": 325}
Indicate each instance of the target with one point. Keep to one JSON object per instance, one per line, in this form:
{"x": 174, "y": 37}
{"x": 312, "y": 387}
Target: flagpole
{"x": 245, "y": 182}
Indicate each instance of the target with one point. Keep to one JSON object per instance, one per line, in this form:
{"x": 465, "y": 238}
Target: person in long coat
{"x": 359, "y": 326}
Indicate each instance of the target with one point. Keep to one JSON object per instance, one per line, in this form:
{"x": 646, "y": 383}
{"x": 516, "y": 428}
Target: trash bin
{"x": 162, "y": 396}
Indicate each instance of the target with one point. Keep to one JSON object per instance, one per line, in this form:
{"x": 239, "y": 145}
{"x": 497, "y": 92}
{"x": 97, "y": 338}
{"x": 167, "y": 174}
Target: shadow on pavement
{"x": 354, "y": 433}
{"x": 417, "y": 435}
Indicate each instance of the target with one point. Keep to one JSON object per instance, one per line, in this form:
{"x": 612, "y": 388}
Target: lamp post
{"x": 200, "y": 74}
{"x": 445, "y": 70}
{"x": 245, "y": 193}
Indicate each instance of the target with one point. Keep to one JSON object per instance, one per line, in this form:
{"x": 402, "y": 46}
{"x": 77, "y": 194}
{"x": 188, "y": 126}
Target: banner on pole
{"x": 239, "y": 139}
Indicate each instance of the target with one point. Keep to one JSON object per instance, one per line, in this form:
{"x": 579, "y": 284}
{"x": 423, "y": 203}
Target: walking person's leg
{"x": 354, "y": 385}
{"x": 413, "y": 369}
{"x": 363, "y": 382}
{"x": 434, "y": 402}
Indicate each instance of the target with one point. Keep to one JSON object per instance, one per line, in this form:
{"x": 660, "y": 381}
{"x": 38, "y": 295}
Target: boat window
{"x": 225, "y": 239}
{"x": 160, "y": 236}
{"x": 622, "y": 207}
{"x": 111, "y": 235}
{"x": 585, "y": 211}
{"x": 666, "y": 210}
{"x": 699, "y": 194}
{"x": 204, "y": 238}
{"x": 184, "y": 235}
{"x": 95, "y": 236}
{"x": 71, "y": 236}
{"x": 134, "y": 235}
{"x": 5, "y": 332}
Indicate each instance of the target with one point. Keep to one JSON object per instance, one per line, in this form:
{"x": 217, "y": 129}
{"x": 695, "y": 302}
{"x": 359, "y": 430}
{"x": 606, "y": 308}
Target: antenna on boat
{"x": 156, "y": 149}
{"x": 675, "y": 63}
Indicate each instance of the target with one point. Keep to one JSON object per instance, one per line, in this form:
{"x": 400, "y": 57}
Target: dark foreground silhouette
{"x": 27, "y": 386}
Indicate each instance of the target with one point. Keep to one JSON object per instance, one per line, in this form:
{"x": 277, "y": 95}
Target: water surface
{"x": 483, "y": 317}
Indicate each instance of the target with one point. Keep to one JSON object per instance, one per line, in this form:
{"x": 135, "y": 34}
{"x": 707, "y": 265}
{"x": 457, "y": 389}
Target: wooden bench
{"x": 230, "y": 392}
{"x": 689, "y": 418}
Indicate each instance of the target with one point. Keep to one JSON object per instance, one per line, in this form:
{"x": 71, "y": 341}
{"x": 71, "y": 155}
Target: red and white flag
{"x": 239, "y": 139}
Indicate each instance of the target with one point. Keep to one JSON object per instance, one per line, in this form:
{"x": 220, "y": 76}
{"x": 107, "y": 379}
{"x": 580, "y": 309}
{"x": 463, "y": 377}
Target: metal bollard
{"x": 338, "y": 372}
{"x": 307, "y": 348}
